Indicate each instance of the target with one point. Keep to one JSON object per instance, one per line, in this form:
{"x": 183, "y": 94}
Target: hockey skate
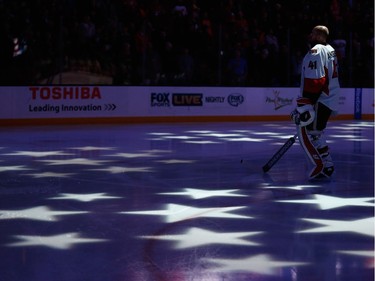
{"x": 328, "y": 167}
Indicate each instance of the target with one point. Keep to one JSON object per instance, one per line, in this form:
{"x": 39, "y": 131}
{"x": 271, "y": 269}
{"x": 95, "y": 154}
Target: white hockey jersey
{"x": 320, "y": 75}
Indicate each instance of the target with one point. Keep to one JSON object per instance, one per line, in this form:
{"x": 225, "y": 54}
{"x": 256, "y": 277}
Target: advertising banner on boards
{"x": 107, "y": 101}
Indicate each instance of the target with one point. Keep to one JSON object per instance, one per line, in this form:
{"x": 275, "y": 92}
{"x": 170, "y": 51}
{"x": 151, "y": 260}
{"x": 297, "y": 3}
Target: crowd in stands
{"x": 182, "y": 42}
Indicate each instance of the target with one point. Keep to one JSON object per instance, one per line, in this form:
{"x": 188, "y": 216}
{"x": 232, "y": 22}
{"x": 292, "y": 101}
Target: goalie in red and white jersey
{"x": 318, "y": 100}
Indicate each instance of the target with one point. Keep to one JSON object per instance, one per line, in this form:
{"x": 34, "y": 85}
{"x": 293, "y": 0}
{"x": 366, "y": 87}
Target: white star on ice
{"x": 362, "y": 226}
{"x": 344, "y": 136}
{"x": 160, "y": 134}
{"x": 133, "y": 155}
{"x": 369, "y": 254}
{"x": 201, "y": 142}
{"x": 268, "y": 134}
{"x": 83, "y": 197}
{"x": 361, "y": 124}
{"x": 330, "y": 202}
{"x": 41, "y": 213}
{"x": 176, "y": 161}
{"x": 350, "y": 137}
{"x": 157, "y": 151}
{"x": 119, "y": 170}
{"x": 13, "y": 168}
{"x": 200, "y": 132}
{"x": 76, "y": 161}
{"x": 175, "y": 213}
{"x": 218, "y": 135}
{"x": 245, "y": 139}
{"x": 201, "y": 193}
{"x": 198, "y": 237}
{"x": 243, "y": 131}
{"x": 156, "y": 139}
{"x": 61, "y": 241}
{"x": 262, "y": 264}
{"x": 283, "y": 137}
{"x": 50, "y": 175}
{"x": 293, "y": 187}
{"x": 89, "y": 148}
{"x": 38, "y": 154}
{"x": 179, "y": 137}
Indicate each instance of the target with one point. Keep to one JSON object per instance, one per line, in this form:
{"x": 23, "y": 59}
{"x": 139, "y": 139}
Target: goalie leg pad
{"x": 311, "y": 151}
{"x": 319, "y": 141}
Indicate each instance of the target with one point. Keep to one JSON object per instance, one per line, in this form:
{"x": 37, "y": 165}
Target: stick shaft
{"x": 277, "y": 156}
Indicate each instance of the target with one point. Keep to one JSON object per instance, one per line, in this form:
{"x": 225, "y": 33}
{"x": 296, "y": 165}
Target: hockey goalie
{"x": 317, "y": 102}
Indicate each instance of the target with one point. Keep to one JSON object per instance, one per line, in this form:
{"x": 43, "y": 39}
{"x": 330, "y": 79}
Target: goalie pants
{"x": 322, "y": 114}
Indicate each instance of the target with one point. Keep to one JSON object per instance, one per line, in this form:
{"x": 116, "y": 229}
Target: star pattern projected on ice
{"x": 263, "y": 264}
{"x": 361, "y": 124}
{"x": 149, "y": 200}
{"x": 369, "y": 254}
{"x": 153, "y": 151}
{"x": 175, "y": 212}
{"x": 13, "y": 168}
{"x": 273, "y": 134}
{"x": 63, "y": 241}
{"x": 292, "y": 187}
{"x": 350, "y": 138}
{"x": 133, "y": 155}
{"x": 361, "y": 226}
{"x": 120, "y": 170}
{"x": 75, "y": 161}
{"x": 195, "y": 237}
{"x": 90, "y": 148}
{"x": 41, "y": 213}
{"x": 245, "y": 139}
{"x": 178, "y": 137}
{"x": 221, "y": 135}
{"x": 50, "y": 175}
{"x": 84, "y": 197}
{"x": 176, "y": 161}
{"x": 330, "y": 202}
{"x": 201, "y": 142}
{"x": 38, "y": 153}
{"x": 160, "y": 134}
{"x": 201, "y": 193}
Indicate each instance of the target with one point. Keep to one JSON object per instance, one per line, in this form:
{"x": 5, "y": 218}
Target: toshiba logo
{"x": 65, "y": 93}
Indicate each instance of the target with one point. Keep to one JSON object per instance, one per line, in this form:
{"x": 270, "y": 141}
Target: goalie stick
{"x": 277, "y": 156}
